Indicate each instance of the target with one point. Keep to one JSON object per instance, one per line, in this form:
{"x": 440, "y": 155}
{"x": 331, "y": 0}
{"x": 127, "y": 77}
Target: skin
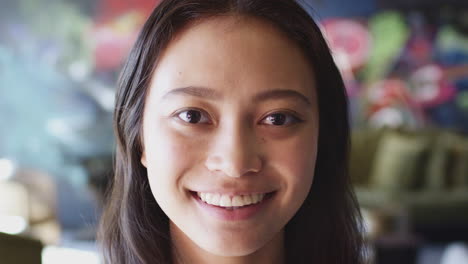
{"x": 238, "y": 144}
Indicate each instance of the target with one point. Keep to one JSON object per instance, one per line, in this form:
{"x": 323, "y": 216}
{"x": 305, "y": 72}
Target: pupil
{"x": 278, "y": 119}
{"x": 193, "y": 116}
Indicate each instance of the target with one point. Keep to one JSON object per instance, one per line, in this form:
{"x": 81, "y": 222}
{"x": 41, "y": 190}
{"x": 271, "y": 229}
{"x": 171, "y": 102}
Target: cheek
{"x": 168, "y": 156}
{"x": 295, "y": 160}
{"x": 298, "y": 157}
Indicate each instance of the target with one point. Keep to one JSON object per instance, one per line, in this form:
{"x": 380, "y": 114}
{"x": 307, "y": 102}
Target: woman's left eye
{"x": 281, "y": 119}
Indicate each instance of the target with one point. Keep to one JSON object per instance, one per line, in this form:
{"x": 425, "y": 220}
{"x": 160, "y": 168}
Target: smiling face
{"x": 231, "y": 116}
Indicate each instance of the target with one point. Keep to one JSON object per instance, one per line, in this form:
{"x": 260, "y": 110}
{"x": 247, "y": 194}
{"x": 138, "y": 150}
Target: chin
{"x": 232, "y": 251}
{"x": 232, "y": 247}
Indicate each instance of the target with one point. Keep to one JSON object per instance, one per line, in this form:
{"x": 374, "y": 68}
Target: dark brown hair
{"x": 326, "y": 229}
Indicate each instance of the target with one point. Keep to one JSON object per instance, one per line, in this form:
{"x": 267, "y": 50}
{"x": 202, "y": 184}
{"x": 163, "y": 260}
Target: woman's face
{"x": 231, "y": 116}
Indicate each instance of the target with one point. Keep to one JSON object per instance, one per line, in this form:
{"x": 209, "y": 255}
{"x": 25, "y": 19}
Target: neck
{"x": 186, "y": 252}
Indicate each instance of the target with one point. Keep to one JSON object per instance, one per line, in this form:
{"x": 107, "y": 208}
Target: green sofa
{"x": 418, "y": 177}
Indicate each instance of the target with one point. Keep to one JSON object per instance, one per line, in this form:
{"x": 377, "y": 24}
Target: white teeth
{"x": 208, "y": 196}
{"x": 227, "y": 201}
{"x": 247, "y": 199}
{"x": 257, "y": 198}
{"x": 237, "y": 201}
{"x": 214, "y": 199}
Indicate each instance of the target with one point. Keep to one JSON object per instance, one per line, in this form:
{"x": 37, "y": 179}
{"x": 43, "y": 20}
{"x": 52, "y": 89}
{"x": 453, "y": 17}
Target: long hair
{"x": 326, "y": 229}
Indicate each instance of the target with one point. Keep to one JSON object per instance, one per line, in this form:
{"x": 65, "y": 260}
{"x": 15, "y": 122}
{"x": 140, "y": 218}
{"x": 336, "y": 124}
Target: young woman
{"x": 232, "y": 141}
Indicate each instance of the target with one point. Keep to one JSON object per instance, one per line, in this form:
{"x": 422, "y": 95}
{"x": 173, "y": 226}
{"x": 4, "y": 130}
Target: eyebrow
{"x": 280, "y": 94}
{"x": 196, "y": 91}
{"x": 211, "y": 94}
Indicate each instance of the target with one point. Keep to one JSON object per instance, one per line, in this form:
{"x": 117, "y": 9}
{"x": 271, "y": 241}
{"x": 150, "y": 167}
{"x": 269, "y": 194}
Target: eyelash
{"x": 295, "y": 119}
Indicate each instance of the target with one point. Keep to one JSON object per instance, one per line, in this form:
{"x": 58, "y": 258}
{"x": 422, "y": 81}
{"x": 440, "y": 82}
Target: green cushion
{"x": 439, "y": 162}
{"x": 460, "y": 164}
{"x": 398, "y": 161}
{"x": 364, "y": 144}
{"x": 447, "y": 166}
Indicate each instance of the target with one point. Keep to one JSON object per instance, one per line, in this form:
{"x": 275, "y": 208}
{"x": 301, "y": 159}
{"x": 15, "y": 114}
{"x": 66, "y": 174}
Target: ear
{"x": 143, "y": 159}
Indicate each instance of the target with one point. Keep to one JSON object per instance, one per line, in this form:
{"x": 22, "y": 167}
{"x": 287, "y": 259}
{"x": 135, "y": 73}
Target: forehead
{"x": 234, "y": 55}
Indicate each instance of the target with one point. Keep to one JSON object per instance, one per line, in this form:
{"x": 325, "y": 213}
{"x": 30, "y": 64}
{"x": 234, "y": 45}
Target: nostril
{"x": 234, "y": 163}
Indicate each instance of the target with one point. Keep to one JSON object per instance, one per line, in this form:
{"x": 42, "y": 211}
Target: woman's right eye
{"x": 193, "y": 116}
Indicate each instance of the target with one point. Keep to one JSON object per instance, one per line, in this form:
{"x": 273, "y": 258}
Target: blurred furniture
{"x": 34, "y": 192}
{"x": 391, "y": 250}
{"x": 14, "y": 207}
{"x": 419, "y": 179}
{"x": 19, "y": 250}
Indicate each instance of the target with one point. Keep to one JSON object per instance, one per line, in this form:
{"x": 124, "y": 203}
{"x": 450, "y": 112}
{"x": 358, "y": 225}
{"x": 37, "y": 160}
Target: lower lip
{"x": 237, "y": 214}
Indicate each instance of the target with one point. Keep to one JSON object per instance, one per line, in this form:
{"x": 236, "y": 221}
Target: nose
{"x": 234, "y": 153}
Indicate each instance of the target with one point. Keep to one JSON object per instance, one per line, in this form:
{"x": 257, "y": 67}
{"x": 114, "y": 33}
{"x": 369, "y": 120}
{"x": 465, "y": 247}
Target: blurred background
{"x": 405, "y": 65}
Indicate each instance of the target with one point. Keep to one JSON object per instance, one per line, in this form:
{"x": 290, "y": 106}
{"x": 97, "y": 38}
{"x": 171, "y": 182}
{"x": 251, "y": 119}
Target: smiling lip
{"x": 236, "y": 214}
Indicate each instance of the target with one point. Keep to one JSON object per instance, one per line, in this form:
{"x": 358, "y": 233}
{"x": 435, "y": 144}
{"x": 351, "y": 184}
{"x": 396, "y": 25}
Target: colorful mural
{"x": 404, "y": 69}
